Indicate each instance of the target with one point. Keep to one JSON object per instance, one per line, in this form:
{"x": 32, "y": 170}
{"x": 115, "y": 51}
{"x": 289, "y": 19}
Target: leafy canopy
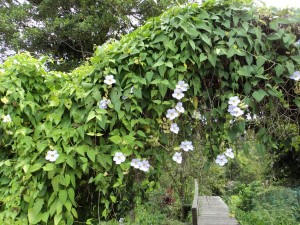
{"x": 68, "y": 30}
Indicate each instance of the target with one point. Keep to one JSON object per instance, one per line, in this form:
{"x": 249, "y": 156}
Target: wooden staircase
{"x": 210, "y": 210}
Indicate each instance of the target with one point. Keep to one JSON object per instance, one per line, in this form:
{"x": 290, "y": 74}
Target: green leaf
{"x": 128, "y": 139}
{"x": 290, "y": 66}
{"x": 81, "y": 149}
{"x": 274, "y": 37}
{"x": 113, "y": 198}
{"x": 49, "y": 167}
{"x": 274, "y": 25}
{"x": 34, "y": 215}
{"x": 260, "y": 60}
{"x": 91, "y": 116}
{"x": 116, "y": 139}
{"x": 115, "y": 97}
{"x": 84, "y": 167}
{"x": 158, "y": 63}
{"x": 296, "y": 58}
{"x": 87, "y": 86}
{"x": 35, "y": 167}
{"x": 245, "y": 26}
{"x": 71, "y": 195}
{"x": 104, "y": 160}
{"x": 274, "y": 92}
{"x": 68, "y": 103}
{"x": 63, "y": 196}
{"x": 162, "y": 70}
{"x": 169, "y": 64}
{"x": 141, "y": 133}
{"x": 297, "y": 102}
{"x": 74, "y": 212}
{"x": 212, "y": 59}
{"x": 260, "y": 148}
{"x": 205, "y": 38}
{"x": 202, "y": 26}
{"x": 259, "y": 95}
{"x": 245, "y": 71}
{"x": 202, "y": 57}
{"x": 159, "y": 38}
{"x": 71, "y": 162}
{"x": 190, "y": 29}
{"x": 121, "y": 114}
{"x": 171, "y": 45}
{"x": 240, "y": 126}
{"x": 57, "y": 219}
{"x": 247, "y": 88}
{"x": 249, "y": 59}
{"x": 54, "y": 101}
{"x": 162, "y": 89}
{"x": 45, "y": 217}
{"x": 68, "y": 205}
{"x": 91, "y": 154}
{"x": 192, "y": 43}
{"x": 104, "y": 213}
{"x": 149, "y": 76}
{"x": 160, "y": 81}
{"x": 55, "y": 183}
{"x": 279, "y": 70}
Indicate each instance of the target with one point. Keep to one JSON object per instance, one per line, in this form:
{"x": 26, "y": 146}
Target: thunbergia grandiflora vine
{"x": 104, "y": 103}
{"x": 172, "y": 114}
{"x": 174, "y": 128}
{"x": 295, "y": 76}
{"x": 143, "y": 165}
{"x": 177, "y": 157}
{"x": 233, "y": 107}
{"x": 187, "y": 146}
{"x": 52, "y": 155}
{"x": 119, "y": 157}
{"x": 179, "y": 107}
{"x": 109, "y": 80}
{"x": 6, "y": 119}
{"x": 221, "y": 159}
{"x": 181, "y": 87}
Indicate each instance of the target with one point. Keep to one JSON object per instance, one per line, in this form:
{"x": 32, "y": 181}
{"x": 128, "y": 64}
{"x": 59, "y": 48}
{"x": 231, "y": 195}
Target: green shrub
{"x": 257, "y": 204}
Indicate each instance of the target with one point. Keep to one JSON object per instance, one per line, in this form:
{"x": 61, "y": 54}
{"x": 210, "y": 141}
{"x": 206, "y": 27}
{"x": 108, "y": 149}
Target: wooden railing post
{"x": 195, "y": 205}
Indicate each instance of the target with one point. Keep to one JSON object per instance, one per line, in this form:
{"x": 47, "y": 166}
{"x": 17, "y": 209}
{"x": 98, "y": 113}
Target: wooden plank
{"x": 214, "y": 211}
{"x": 195, "y": 206}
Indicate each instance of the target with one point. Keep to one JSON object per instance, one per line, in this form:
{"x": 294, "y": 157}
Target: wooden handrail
{"x": 195, "y": 205}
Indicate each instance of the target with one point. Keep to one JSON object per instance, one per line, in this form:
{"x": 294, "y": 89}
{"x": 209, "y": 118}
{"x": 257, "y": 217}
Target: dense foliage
{"x": 258, "y": 203}
{"x": 102, "y": 116}
{"x": 68, "y": 30}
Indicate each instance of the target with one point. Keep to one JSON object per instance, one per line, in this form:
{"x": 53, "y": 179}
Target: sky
{"x": 275, "y": 3}
{"x": 282, "y": 3}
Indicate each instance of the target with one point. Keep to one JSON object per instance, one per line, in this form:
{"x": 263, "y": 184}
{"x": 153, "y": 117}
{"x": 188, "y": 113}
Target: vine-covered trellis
{"x": 72, "y": 145}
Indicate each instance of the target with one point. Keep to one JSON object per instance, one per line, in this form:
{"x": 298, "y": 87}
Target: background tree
{"x": 68, "y": 30}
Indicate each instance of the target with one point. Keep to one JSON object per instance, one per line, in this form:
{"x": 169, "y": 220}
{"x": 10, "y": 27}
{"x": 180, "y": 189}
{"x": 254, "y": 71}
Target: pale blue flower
{"x": 221, "y": 160}
{"x": 119, "y": 157}
{"x": 177, "y": 157}
{"x": 295, "y": 76}
{"x": 174, "y": 128}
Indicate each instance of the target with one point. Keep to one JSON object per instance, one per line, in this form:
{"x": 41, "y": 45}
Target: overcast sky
{"x": 282, "y": 3}
{"x": 276, "y": 3}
